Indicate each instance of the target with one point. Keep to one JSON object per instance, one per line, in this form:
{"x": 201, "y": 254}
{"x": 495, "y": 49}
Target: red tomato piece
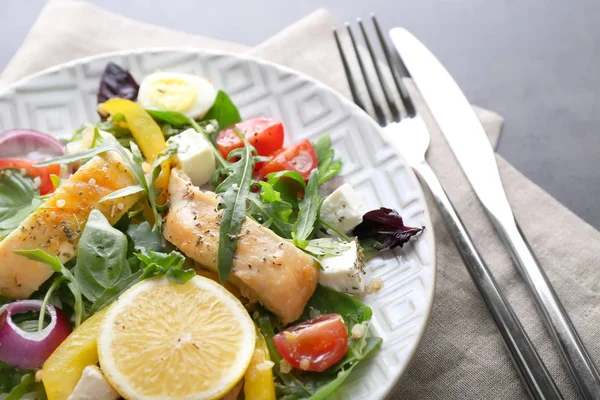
{"x": 43, "y": 173}
{"x": 314, "y": 345}
{"x": 265, "y": 134}
{"x": 300, "y": 158}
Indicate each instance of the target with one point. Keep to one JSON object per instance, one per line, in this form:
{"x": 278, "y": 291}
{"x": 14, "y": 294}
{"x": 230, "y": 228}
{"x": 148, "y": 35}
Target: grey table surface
{"x": 533, "y": 61}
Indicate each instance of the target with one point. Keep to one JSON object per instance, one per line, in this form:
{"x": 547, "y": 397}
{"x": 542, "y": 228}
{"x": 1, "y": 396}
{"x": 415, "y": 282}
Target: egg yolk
{"x": 172, "y": 94}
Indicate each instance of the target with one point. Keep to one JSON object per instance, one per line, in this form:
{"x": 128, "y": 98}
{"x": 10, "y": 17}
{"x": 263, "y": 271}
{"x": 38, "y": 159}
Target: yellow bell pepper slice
{"x": 147, "y": 135}
{"x": 144, "y": 129}
{"x": 258, "y": 381}
{"x": 63, "y": 369}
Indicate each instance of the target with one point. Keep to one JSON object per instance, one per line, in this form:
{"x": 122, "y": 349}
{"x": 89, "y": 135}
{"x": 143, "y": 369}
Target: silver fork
{"x": 410, "y": 137}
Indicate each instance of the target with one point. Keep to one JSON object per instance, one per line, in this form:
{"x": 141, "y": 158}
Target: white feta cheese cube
{"x": 93, "y": 386}
{"x": 344, "y": 272}
{"x": 343, "y": 209}
{"x": 195, "y": 156}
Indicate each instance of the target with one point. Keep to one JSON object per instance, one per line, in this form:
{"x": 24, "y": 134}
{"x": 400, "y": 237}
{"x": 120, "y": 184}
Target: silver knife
{"x": 465, "y": 135}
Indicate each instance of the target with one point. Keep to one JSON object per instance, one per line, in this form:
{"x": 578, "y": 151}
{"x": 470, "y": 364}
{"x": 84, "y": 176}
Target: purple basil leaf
{"x": 386, "y": 227}
{"x": 117, "y": 82}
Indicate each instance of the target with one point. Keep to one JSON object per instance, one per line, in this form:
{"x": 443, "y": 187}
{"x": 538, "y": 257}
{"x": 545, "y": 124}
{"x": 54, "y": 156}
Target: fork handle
{"x": 534, "y": 374}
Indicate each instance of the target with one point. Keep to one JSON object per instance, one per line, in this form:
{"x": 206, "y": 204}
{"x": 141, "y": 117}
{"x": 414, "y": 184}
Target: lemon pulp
{"x": 168, "y": 341}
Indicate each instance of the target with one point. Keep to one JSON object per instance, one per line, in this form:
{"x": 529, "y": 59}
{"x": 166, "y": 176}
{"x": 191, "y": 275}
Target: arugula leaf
{"x": 322, "y": 147}
{"x": 126, "y": 191}
{"x": 328, "y": 166}
{"x": 328, "y": 169}
{"x": 173, "y": 118}
{"x": 18, "y": 199}
{"x": 57, "y": 266}
{"x": 289, "y": 184}
{"x": 101, "y": 257}
{"x": 223, "y": 111}
{"x": 235, "y": 189}
{"x": 308, "y": 210}
{"x": 325, "y": 247}
{"x": 158, "y": 264}
{"x": 269, "y": 210}
{"x": 144, "y": 238}
{"x": 275, "y": 177}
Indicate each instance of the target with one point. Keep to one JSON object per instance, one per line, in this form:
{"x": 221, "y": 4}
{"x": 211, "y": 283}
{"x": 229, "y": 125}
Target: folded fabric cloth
{"x": 462, "y": 355}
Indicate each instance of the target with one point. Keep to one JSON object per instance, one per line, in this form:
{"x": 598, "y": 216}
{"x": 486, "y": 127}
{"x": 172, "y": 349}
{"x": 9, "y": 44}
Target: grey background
{"x": 533, "y": 61}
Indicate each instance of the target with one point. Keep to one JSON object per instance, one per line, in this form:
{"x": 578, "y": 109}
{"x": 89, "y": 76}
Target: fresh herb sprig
{"x": 308, "y": 212}
{"x": 234, "y": 189}
{"x": 169, "y": 265}
{"x": 329, "y": 166}
{"x": 268, "y": 208}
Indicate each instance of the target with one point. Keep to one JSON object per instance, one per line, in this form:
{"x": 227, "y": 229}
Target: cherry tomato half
{"x": 265, "y": 134}
{"x": 300, "y": 158}
{"x": 314, "y": 345}
{"x": 43, "y": 173}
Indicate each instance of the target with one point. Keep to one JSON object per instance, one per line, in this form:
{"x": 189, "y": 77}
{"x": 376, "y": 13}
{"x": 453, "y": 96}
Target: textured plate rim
{"x": 392, "y": 383}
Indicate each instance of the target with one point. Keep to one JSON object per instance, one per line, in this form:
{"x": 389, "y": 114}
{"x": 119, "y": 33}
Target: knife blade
{"x": 471, "y": 147}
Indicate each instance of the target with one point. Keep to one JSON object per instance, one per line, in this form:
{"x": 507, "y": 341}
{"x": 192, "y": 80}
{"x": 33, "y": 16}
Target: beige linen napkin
{"x": 462, "y": 355}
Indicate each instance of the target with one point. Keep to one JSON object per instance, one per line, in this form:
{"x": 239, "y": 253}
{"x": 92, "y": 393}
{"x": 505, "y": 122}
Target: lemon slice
{"x": 166, "y": 341}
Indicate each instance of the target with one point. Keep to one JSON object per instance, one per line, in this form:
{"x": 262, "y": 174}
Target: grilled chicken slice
{"x": 55, "y": 227}
{"x": 266, "y": 267}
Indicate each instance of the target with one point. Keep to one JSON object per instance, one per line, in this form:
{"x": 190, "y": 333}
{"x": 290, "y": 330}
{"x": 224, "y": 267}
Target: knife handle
{"x": 572, "y": 350}
{"x": 534, "y": 374}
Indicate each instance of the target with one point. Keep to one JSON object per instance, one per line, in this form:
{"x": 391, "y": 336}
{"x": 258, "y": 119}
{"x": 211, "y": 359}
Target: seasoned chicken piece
{"x": 266, "y": 267}
{"x": 55, "y": 226}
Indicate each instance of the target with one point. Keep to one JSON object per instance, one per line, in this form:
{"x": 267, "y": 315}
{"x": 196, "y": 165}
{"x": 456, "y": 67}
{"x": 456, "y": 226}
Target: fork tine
{"x": 408, "y": 104}
{"x": 376, "y": 106}
{"x": 388, "y": 98}
{"x": 348, "y": 72}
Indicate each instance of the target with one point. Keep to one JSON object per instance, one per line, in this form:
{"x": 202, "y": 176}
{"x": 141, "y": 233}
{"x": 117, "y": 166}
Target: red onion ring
{"x": 29, "y": 350}
{"x": 30, "y": 144}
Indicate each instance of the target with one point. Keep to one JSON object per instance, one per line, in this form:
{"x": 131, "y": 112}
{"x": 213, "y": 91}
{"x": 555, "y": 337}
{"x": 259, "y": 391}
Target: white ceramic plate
{"x": 60, "y": 99}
